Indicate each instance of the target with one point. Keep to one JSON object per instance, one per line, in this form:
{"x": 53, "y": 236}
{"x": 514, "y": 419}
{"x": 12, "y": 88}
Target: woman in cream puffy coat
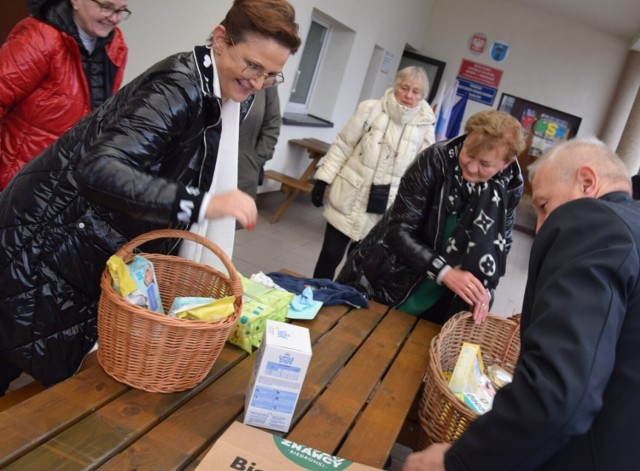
{"x": 375, "y": 147}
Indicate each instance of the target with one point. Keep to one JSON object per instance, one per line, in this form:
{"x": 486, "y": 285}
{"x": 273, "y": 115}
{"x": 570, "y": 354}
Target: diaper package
{"x": 136, "y": 282}
{"x": 259, "y": 303}
{"x": 468, "y": 381}
{"x": 202, "y": 309}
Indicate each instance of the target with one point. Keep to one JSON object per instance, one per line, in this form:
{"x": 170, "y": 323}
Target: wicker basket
{"x": 443, "y": 417}
{"x": 155, "y": 352}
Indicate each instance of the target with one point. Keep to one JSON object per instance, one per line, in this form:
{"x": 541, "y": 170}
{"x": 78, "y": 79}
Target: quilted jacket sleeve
{"x": 514, "y": 193}
{"x": 430, "y": 130}
{"x": 154, "y": 122}
{"x": 24, "y": 62}
{"x": 345, "y": 143}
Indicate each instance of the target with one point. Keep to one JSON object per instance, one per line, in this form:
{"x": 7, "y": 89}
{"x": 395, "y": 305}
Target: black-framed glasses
{"x": 253, "y": 71}
{"x": 108, "y": 10}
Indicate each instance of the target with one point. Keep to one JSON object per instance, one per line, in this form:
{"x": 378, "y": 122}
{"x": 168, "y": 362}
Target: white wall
{"x": 551, "y": 61}
{"x": 159, "y": 28}
{"x": 171, "y": 26}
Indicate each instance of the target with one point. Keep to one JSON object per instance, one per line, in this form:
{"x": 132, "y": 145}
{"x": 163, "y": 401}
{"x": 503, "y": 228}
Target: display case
{"x": 548, "y": 125}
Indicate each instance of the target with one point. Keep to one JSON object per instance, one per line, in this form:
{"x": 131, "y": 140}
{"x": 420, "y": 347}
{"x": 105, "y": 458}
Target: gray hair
{"x": 413, "y": 72}
{"x": 568, "y": 155}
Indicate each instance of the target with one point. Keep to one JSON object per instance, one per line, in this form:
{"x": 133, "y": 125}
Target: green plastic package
{"x": 259, "y": 303}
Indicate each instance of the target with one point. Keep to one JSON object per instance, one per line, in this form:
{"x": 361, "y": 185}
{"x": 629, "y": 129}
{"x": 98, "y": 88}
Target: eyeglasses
{"x": 107, "y": 10}
{"x": 253, "y": 71}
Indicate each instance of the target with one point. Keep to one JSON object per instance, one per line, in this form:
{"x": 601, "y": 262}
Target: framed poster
{"x": 433, "y": 67}
{"x": 549, "y": 126}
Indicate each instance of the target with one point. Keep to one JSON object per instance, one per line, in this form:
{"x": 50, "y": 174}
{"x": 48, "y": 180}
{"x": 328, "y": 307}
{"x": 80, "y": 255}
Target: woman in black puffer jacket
{"x": 144, "y": 160}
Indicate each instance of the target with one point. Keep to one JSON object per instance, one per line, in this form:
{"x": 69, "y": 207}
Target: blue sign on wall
{"x": 476, "y": 91}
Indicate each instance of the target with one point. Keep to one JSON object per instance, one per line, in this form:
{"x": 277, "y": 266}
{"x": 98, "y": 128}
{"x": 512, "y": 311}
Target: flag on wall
{"x": 455, "y": 118}
{"x": 450, "y": 113}
{"x": 444, "y": 113}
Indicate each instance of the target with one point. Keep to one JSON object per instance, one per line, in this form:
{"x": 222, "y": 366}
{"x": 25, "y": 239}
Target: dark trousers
{"x": 334, "y": 245}
{"x": 8, "y": 372}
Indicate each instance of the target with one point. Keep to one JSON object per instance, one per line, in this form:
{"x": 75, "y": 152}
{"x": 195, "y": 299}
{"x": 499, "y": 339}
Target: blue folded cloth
{"x": 329, "y": 292}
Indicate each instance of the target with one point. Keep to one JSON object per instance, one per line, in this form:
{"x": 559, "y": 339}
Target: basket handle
{"x": 126, "y": 251}
{"x": 516, "y": 331}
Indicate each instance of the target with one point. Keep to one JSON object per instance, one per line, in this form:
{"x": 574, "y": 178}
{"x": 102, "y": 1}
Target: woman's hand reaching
{"x": 470, "y": 290}
{"x": 234, "y": 203}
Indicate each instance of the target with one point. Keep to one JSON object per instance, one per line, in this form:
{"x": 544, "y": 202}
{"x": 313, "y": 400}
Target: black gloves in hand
{"x": 317, "y": 194}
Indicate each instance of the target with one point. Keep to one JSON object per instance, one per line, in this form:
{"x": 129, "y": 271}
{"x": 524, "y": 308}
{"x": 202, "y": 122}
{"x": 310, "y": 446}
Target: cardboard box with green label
{"x": 245, "y": 448}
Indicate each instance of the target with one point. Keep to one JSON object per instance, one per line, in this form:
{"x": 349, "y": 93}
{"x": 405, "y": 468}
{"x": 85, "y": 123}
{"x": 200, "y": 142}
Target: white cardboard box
{"x": 278, "y": 374}
{"x": 245, "y": 448}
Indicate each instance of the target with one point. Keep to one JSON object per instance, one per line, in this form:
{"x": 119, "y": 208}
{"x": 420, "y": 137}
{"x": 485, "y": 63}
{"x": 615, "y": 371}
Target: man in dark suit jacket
{"x": 259, "y": 133}
{"x": 573, "y": 403}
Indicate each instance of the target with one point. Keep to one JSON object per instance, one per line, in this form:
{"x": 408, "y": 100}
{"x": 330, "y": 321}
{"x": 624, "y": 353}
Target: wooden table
{"x": 316, "y": 149}
{"x": 366, "y": 369}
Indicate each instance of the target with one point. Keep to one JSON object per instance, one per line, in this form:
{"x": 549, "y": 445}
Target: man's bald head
{"x": 580, "y": 168}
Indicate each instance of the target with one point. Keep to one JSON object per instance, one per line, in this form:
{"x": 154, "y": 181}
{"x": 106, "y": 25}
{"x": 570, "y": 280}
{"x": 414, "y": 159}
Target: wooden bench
{"x": 289, "y": 181}
{"x": 316, "y": 149}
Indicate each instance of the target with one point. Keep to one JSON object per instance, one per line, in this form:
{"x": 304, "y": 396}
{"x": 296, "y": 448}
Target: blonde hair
{"x": 413, "y": 72}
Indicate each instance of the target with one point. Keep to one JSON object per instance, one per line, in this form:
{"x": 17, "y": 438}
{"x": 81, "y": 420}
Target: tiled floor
{"x": 295, "y": 242}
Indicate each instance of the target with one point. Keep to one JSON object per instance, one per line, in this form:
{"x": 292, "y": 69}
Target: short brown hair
{"x": 273, "y": 19}
{"x": 494, "y": 128}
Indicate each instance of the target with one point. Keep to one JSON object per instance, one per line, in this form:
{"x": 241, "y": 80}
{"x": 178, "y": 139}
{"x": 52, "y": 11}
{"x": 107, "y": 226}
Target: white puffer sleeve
{"x": 345, "y": 143}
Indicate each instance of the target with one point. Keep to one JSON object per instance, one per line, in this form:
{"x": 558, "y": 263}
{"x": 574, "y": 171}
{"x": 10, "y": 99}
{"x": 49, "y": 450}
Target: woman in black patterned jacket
{"x": 144, "y": 160}
{"x": 443, "y": 245}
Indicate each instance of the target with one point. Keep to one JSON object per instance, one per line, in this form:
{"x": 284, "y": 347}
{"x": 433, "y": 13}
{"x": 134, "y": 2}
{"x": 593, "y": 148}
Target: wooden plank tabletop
{"x": 85, "y": 442}
{"x": 365, "y": 371}
{"x": 331, "y": 417}
{"x": 381, "y": 422}
{"x": 32, "y": 422}
{"x": 207, "y": 415}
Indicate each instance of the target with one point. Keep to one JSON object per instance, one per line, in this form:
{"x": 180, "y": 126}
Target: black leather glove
{"x": 317, "y": 194}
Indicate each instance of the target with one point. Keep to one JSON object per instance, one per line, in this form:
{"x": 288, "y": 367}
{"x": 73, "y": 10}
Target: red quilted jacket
{"x": 43, "y": 90}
